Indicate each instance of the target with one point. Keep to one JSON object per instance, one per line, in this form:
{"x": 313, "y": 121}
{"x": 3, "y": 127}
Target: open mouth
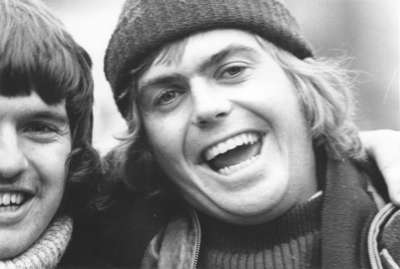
{"x": 234, "y": 154}
{"x": 12, "y": 201}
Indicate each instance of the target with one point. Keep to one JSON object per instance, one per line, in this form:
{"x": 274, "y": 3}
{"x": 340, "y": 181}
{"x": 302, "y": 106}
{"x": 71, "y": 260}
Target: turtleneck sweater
{"x": 47, "y": 251}
{"x": 291, "y": 241}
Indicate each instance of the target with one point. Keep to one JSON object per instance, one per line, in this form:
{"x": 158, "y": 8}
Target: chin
{"x": 256, "y": 210}
{"x": 14, "y": 243}
{"x": 9, "y": 252}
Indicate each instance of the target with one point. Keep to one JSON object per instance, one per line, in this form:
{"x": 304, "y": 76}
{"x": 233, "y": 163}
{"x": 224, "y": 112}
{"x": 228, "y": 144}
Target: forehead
{"x": 29, "y": 105}
{"x": 185, "y": 55}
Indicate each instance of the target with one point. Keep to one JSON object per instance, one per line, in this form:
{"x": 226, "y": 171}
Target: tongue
{"x": 235, "y": 156}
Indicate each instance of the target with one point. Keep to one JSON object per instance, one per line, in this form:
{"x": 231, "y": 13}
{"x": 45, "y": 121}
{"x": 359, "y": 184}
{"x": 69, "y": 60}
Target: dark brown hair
{"x": 38, "y": 55}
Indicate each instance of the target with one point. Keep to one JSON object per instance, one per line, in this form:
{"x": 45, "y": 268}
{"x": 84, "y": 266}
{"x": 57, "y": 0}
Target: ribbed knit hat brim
{"x": 147, "y": 25}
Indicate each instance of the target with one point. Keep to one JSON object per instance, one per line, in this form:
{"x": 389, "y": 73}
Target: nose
{"x": 12, "y": 158}
{"x": 209, "y": 104}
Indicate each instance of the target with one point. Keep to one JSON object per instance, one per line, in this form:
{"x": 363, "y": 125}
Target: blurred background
{"x": 365, "y": 31}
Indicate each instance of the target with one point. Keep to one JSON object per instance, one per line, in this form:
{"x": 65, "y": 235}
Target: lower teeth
{"x": 237, "y": 167}
{"x": 9, "y": 208}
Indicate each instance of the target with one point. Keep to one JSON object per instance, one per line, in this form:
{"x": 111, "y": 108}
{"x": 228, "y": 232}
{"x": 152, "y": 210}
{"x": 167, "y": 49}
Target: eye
{"x": 167, "y": 97}
{"x": 39, "y": 127}
{"x": 44, "y": 131}
{"x": 231, "y": 71}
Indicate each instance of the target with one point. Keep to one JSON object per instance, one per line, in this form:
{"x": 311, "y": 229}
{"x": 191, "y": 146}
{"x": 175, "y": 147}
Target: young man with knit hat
{"x": 248, "y": 137}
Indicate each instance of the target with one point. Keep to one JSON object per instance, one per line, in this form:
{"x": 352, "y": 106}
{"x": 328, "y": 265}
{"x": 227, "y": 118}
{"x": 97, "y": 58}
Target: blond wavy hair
{"x": 324, "y": 89}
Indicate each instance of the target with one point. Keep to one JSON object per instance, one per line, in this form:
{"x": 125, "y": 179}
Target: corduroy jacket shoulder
{"x": 82, "y": 249}
{"x": 130, "y": 218}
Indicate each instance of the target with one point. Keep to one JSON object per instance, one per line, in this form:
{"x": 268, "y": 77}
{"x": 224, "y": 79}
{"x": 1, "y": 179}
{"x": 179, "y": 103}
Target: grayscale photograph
{"x": 200, "y": 134}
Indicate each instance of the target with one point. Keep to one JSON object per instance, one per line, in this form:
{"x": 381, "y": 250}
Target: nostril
{"x": 221, "y": 114}
{"x": 202, "y": 122}
{"x": 210, "y": 118}
{"x": 209, "y": 112}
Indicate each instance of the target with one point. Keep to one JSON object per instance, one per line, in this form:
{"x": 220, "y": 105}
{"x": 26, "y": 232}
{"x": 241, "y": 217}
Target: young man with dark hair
{"x": 47, "y": 163}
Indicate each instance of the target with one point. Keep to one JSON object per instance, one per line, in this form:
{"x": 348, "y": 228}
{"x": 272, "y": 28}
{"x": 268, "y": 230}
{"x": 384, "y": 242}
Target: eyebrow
{"x": 168, "y": 79}
{"x": 56, "y": 116}
{"x": 213, "y": 60}
{"x": 218, "y": 57}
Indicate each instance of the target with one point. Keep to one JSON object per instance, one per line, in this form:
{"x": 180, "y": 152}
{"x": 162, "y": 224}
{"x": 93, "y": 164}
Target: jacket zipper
{"x": 372, "y": 239}
{"x": 197, "y": 243}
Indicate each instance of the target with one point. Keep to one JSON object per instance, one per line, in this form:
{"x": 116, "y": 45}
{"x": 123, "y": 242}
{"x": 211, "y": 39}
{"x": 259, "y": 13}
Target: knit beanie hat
{"x": 145, "y": 26}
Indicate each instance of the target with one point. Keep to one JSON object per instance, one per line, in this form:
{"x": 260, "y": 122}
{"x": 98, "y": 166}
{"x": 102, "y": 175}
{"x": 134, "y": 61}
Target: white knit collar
{"x": 47, "y": 250}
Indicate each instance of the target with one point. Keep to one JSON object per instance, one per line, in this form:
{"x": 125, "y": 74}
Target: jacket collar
{"x": 346, "y": 214}
{"x": 347, "y": 211}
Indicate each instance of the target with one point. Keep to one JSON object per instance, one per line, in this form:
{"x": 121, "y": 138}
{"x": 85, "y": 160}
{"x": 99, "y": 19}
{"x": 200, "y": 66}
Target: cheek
{"x": 50, "y": 162}
{"x": 165, "y": 134}
{"x": 267, "y": 93}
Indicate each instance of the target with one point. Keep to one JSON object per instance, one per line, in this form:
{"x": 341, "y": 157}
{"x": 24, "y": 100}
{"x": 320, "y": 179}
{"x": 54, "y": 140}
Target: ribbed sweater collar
{"x": 47, "y": 251}
{"x": 291, "y": 240}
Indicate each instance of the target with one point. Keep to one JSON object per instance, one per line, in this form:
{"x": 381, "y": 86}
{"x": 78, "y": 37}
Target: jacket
{"x": 351, "y": 227}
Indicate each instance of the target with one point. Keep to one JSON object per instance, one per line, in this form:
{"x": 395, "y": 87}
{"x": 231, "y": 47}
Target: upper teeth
{"x": 8, "y": 198}
{"x": 231, "y": 143}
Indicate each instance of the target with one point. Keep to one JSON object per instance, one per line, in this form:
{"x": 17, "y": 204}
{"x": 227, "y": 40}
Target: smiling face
{"x": 35, "y": 142}
{"x": 224, "y": 122}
